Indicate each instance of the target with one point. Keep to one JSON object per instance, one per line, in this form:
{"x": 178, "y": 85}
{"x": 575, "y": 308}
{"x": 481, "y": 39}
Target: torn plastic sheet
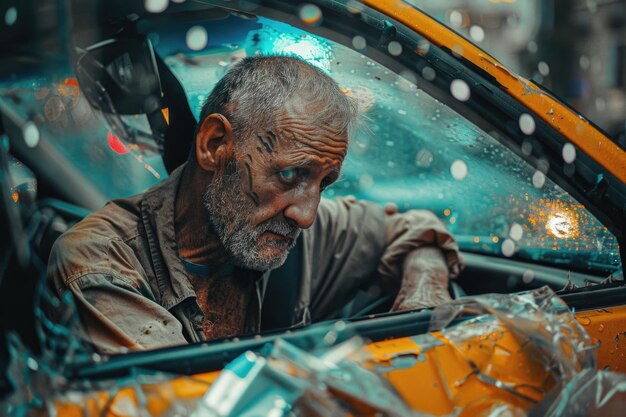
{"x": 490, "y": 355}
{"x": 538, "y": 318}
{"x": 40, "y": 388}
{"x": 591, "y": 393}
{"x": 516, "y": 355}
{"x": 36, "y": 379}
{"x": 42, "y": 391}
{"x": 292, "y": 382}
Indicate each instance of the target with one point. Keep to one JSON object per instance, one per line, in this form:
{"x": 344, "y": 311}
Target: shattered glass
{"x": 40, "y": 386}
{"x": 591, "y": 393}
{"x": 537, "y": 318}
{"x": 516, "y": 349}
{"x": 523, "y": 354}
{"x": 290, "y": 381}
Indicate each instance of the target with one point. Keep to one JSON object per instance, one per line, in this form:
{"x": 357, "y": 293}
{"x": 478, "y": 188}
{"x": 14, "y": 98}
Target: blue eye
{"x": 287, "y": 175}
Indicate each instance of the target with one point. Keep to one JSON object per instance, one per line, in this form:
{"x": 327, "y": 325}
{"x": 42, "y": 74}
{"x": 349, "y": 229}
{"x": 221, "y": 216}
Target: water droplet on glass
{"x": 197, "y": 38}
{"x": 601, "y": 328}
{"x": 527, "y": 148}
{"x": 424, "y": 158}
{"x": 477, "y": 33}
{"x": 280, "y": 403}
{"x": 532, "y": 47}
{"x": 310, "y": 14}
{"x": 528, "y": 276}
{"x": 366, "y": 181}
{"x": 569, "y": 153}
{"x": 539, "y": 179}
{"x": 358, "y": 42}
{"x": 460, "y": 90}
{"x": 584, "y": 62}
{"x": 456, "y": 18}
{"x": 156, "y": 6}
{"x": 458, "y": 169}
{"x": 10, "y": 16}
{"x": 543, "y": 68}
{"x": 600, "y": 104}
{"x": 543, "y": 165}
{"x": 508, "y": 248}
{"x": 330, "y": 338}
{"x": 31, "y": 134}
{"x": 527, "y": 124}
{"x": 429, "y": 73}
{"x": 32, "y": 364}
{"x": 394, "y": 48}
{"x": 516, "y": 231}
{"x": 512, "y": 20}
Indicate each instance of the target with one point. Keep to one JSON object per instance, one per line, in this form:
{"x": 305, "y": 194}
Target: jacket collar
{"x": 157, "y": 212}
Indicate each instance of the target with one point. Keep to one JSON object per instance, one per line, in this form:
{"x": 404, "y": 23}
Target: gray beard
{"x": 230, "y": 211}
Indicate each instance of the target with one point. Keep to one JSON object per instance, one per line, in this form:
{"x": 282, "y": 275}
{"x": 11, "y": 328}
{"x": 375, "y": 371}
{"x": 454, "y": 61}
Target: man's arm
{"x": 422, "y": 252}
{"x": 116, "y": 305}
{"x": 355, "y": 243}
{"x": 425, "y": 280}
{"x": 115, "y": 315}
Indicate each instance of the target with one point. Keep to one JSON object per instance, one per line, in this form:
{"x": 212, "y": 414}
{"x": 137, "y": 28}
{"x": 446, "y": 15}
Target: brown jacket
{"x": 121, "y": 264}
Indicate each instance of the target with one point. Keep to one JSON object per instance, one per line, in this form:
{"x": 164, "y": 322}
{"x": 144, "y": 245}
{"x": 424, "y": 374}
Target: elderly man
{"x": 191, "y": 258}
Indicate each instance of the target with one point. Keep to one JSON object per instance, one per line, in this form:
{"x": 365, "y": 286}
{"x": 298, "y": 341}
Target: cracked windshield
{"x": 320, "y": 208}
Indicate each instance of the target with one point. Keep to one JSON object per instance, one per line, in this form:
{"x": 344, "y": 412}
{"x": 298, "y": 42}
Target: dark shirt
{"x": 133, "y": 291}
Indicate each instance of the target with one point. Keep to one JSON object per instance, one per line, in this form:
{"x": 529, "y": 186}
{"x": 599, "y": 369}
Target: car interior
{"x": 64, "y": 196}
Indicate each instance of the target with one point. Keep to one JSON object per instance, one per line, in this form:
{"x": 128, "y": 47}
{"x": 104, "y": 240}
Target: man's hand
{"x": 424, "y": 280}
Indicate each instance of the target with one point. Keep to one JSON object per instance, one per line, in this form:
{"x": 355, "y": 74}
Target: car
{"x": 534, "y": 193}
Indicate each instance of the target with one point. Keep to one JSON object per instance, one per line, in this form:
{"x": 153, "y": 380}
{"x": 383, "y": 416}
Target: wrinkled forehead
{"x": 300, "y": 129}
{"x": 301, "y": 132}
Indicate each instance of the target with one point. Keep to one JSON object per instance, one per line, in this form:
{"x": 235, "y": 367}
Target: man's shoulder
{"x": 94, "y": 243}
{"x": 118, "y": 219}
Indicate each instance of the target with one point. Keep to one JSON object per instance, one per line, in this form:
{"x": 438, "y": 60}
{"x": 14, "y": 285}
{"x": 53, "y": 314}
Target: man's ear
{"x": 214, "y": 142}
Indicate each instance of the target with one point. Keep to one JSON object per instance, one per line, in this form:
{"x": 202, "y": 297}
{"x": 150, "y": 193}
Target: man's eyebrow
{"x": 334, "y": 173}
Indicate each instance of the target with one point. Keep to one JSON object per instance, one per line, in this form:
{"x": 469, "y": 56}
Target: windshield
{"x": 417, "y": 152}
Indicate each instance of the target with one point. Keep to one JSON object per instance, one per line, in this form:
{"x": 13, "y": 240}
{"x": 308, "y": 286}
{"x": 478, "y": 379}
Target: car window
{"x": 116, "y": 162}
{"x": 413, "y": 150}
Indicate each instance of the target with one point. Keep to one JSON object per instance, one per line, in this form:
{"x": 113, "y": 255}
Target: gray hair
{"x": 255, "y": 90}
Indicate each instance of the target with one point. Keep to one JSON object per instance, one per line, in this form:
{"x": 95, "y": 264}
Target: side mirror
{"x": 120, "y": 76}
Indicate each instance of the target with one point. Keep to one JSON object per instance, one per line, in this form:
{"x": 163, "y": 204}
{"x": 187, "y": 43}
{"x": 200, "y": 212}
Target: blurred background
{"x": 574, "y": 48}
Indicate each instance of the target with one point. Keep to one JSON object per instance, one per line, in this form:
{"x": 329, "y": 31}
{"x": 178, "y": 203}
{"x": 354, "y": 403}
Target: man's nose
{"x": 302, "y": 210}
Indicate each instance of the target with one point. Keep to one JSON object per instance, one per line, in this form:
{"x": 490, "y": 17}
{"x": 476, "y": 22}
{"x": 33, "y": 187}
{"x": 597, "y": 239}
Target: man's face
{"x": 270, "y": 189}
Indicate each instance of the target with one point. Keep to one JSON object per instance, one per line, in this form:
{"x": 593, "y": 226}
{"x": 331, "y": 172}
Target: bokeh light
{"x": 310, "y": 14}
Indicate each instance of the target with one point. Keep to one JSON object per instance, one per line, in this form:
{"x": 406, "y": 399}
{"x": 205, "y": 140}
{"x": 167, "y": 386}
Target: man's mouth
{"x": 275, "y": 236}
